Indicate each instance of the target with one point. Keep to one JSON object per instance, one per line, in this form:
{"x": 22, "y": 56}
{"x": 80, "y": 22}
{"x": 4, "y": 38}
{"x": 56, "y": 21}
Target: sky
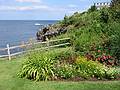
{"x": 42, "y": 9}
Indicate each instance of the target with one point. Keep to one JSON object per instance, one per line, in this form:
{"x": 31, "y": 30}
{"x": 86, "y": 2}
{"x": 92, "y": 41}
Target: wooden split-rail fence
{"x": 8, "y": 49}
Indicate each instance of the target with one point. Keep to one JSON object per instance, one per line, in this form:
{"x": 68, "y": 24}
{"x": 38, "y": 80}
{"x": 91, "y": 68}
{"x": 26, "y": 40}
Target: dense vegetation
{"x": 95, "y": 48}
{"x": 96, "y": 33}
{"x": 9, "y": 80}
{"x": 63, "y": 63}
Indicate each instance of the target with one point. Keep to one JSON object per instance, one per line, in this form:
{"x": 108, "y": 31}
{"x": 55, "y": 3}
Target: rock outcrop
{"x": 49, "y": 32}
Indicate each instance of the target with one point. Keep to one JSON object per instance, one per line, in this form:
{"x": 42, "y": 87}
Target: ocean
{"x": 14, "y": 32}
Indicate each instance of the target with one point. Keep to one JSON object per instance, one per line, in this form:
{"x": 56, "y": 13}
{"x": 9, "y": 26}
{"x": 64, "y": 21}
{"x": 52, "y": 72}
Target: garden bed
{"x": 9, "y": 80}
{"x": 63, "y": 64}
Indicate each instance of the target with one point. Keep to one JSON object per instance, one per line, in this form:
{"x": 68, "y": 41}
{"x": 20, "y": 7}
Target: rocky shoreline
{"x": 50, "y": 31}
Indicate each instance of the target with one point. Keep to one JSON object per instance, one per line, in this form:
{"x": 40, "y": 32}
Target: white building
{"x": 102, "y": 4}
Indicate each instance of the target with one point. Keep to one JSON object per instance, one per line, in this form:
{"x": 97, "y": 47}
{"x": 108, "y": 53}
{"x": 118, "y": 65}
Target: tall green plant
{"x": 40, "y": 65}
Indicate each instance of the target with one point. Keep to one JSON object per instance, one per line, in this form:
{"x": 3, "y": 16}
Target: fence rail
{"x": 9, "y": 54}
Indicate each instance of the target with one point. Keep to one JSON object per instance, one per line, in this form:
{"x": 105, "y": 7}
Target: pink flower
{"x": 104, "y": 57}
{"x": 107, "y": 57}
{"x": 99, "y": 51}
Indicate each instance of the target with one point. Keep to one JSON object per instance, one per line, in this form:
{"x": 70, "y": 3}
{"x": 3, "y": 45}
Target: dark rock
{"x": 46, "y": 32}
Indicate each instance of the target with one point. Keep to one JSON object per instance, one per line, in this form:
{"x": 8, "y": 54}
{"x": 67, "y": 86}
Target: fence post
{"x": 8, "y": 51}
{"x": 47, "y": 42}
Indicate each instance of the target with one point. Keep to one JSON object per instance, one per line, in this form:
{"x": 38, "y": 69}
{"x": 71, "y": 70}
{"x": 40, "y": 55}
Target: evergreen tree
{"x": 92, "y": 9}
{"x": 66, "y": 20}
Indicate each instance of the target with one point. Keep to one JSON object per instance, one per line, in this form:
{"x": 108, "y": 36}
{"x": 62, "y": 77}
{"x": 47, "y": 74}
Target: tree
{"x": 92, "y": 9}
{"x": 115, "y": 6}
{"x": 66, "y": 18}
{"x": 104, "y": 17}
{"x": 115, "y": 2}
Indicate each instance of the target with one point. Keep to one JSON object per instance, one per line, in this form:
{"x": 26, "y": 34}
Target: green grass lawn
{"x": 10, "y": 81}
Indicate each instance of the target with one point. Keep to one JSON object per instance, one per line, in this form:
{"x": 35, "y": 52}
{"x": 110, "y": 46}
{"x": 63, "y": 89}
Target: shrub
{"x": 92, "y": 9}
{"x": 101, "y": 53}
{"x": 112, "y": 73}
{"x": 114, "y": 39}
{"x": 104, "y": 17}
{"x": 37, "y": 67}
{"x": 65, "y": 71}
{"x": 94, "y": 69}
{"x": 84, "y": 37}
{"x": 41, "y": 65}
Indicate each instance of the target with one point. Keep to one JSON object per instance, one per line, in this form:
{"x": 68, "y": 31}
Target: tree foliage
{"x": 92, "y": 9}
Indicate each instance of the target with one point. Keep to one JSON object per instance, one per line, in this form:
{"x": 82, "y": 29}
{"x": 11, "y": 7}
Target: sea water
{"x": 15, "y": 32}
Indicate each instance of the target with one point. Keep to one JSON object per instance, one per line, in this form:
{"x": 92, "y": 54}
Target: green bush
{"x": 86, "y": 68}
{"x": 92, "y": 9}
{"x": 114, "y": 39}
{"x": 40, "y": 65}
{"x": 85, "y": 37}
{"x": 65, "y": 71}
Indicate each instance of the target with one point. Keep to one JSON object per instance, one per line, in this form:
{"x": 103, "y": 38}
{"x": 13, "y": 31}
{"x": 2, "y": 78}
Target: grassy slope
{"x": 9, "y": 81}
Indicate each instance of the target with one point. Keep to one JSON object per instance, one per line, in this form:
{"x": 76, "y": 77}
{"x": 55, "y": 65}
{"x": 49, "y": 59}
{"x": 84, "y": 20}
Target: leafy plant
{"x": 40, "y": 65}
{"x": 104, "y": 17}
{"x": 92, "y": 9}
{"x": 94, "y": 69}
{"x": 65, "y": 71}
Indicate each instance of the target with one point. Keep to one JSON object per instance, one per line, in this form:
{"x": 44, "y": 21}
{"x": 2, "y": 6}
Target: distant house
{"x": 102, "y": 4}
